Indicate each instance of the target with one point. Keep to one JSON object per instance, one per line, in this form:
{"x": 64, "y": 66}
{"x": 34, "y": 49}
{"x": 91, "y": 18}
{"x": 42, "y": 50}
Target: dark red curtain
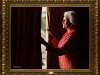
{"x": 25, "y": 49}
{"x": 55, "y": 17}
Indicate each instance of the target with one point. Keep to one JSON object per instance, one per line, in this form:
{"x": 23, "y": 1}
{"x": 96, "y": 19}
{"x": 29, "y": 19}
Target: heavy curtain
{"x": 25, "y": 49}
{"x": 55, "y": 17}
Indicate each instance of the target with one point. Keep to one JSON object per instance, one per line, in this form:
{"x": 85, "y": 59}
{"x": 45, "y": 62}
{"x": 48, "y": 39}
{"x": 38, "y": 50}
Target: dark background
{"x": 25, "y": 49}
{"x": 0, "y": 36}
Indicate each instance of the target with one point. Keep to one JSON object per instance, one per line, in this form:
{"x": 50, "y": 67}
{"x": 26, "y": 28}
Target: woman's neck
{"x": 68, "y": 29}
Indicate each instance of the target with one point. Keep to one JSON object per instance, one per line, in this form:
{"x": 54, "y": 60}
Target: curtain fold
{"x": 55, "y": 17}
{"x": 25, "y": 26}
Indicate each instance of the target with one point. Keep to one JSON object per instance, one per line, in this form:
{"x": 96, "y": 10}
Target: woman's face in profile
{"x": 65, "y": 22}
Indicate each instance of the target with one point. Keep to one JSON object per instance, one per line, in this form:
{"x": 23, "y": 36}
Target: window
{"x": 44, "y": 36}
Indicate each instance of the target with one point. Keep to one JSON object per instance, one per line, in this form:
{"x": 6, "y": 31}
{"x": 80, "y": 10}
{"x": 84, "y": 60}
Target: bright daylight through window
{"x": 44, "y": 35}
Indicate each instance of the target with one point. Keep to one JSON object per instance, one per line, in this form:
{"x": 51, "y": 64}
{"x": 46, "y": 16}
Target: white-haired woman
{"x": 68, "y": 49}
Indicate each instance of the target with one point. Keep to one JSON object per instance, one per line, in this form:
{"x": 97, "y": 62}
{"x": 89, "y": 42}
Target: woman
{"x": 68, "y": 49}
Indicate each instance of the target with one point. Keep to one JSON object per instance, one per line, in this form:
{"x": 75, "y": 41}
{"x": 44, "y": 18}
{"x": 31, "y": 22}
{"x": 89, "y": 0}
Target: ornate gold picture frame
{"x": 93, "y": 35}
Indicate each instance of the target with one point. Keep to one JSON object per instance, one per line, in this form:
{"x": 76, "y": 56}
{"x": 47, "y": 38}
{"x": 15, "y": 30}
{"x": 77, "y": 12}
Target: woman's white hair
{"x": 72, "y": 17}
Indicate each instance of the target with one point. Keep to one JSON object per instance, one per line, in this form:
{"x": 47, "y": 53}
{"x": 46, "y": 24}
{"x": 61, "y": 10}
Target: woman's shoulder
{"x": 74, "y": 31}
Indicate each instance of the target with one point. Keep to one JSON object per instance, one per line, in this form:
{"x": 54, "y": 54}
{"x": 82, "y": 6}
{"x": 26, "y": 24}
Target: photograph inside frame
{"x": 50, "y": 38}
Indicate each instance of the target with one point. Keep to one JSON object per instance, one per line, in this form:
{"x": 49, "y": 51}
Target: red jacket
{"x": 68, "y": 50}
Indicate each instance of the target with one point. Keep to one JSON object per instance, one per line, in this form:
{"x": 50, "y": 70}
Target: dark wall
{"x": 83, "y": 28}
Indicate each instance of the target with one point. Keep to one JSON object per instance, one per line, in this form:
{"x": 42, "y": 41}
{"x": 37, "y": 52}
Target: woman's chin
{"x": 63, "y": 26}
